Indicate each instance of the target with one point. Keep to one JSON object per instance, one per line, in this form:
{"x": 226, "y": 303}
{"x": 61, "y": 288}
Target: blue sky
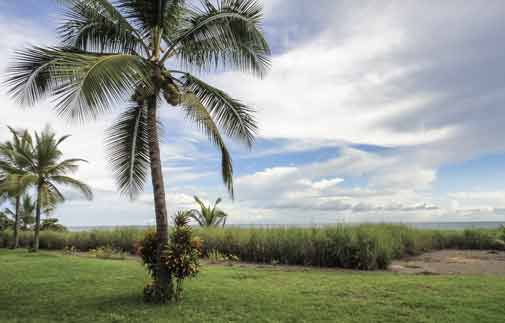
{"x": 389, "y": 111}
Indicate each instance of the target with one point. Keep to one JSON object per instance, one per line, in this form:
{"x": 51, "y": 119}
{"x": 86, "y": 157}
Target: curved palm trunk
{"x": 163, "y": 280}
{"x": 37, "y": 222}
{"x": 16, "y": 223}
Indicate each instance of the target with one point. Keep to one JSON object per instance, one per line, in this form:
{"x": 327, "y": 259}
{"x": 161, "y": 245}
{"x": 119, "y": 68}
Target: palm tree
{"x": 26, "y": 212}
{"x": 12, "y": 163}
{"x": 144, "y": 50}
{"x": 208, "y": 216}
{"x": 26, "y": 209}
{"x": 5, "y": 221}
{"x": 46, "y": 172}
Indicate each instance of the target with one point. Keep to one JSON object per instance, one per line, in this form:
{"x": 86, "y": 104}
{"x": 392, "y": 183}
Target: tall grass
{"x": 121, "y": 238}
{"x": 365, "y": 247}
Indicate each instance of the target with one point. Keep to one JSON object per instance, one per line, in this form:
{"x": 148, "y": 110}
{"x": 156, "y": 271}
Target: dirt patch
{"x": 468, "y": 262}
{"x": 444, "y": 262}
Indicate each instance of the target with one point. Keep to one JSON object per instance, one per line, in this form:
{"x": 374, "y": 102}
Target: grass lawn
{"x": 49, "y": 287}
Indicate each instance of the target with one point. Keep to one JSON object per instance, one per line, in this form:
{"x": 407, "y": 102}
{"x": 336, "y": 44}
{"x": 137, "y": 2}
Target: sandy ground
{"x": 468, "y": 262}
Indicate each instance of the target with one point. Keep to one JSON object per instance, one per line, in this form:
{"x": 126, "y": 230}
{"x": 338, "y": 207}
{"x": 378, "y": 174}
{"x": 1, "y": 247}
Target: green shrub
{"x": 179, "y": 260}
{"x": 69, "y": 251}
{"x": 107, "y": 252}
{"x": 215, "y": 257}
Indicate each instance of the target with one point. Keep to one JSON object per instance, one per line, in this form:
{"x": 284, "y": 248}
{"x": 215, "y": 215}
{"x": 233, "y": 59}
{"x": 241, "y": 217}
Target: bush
{"x": 215, "y": 257}
{"x": 107, "y": 252}
{"x": 69, "y": 251}
{"x": 178, "y": 260}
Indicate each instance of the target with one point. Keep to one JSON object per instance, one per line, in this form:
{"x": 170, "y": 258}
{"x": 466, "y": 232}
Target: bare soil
{"x": 467, "y": 262}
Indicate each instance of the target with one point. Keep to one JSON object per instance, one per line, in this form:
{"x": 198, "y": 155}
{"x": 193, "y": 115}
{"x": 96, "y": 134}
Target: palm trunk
{"x": 163, "y": 278}
{"x": 16, "y": 223}
{"x": 37, "y": 222}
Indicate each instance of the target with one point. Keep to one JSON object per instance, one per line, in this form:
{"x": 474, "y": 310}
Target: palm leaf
{"x": 197, "y": 216}
{"x": 73, "y": 183}
{"x": 84, "y": 84}
{"x": 30, "y": 77}
{"x": 223, "y": 36}
{"x": 65, "y": 166}
{"x": 234, "y": 117}
{"x": 197, "y": 112}
{"x": 128, "y": 146}
{"x": 96, "y": 25}
{"x": 146, "y": 14}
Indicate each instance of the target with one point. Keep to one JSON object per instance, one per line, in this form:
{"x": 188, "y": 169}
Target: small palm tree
{"x": 208, "y": 216}
{"x": 144, "y": 51}
{"x": 25, "y": 213}
{"x": 46, "y": 172}
{"x": 12, "y": 163}
{"x": 5, "y": 221}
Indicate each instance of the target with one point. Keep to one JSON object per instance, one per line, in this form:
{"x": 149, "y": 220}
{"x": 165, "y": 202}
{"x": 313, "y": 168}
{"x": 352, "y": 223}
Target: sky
{"x": 373, "y": 111}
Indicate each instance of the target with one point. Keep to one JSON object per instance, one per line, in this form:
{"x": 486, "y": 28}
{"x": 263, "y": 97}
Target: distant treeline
{"x": 366, "y": 247}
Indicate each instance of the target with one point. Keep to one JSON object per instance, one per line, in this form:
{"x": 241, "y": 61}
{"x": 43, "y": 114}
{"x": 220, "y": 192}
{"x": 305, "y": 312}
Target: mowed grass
{"x": 49, "y": 287}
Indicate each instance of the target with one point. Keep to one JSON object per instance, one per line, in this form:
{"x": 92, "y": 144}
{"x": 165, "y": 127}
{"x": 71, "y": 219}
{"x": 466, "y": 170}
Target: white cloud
{"x": 327, "y": 183}
{"x": 318, "y": 186}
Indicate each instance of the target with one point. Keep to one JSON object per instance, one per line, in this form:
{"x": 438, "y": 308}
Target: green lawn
{"x": 49, "y": 287}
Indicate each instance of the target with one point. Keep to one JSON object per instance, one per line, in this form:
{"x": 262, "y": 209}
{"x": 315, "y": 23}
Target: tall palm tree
{"x": 12, "y": 163}
{"x": 208, "y": 216}
{"x": 144, "y": 50}
{"x": 46, "y": 171}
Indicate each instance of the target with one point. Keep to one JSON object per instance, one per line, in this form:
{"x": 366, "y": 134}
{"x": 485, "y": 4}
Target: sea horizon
{"x": 447, "y": 225}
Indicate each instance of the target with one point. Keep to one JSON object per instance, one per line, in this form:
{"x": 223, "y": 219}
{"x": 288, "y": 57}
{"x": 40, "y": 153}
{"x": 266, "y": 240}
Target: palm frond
{"x": 220, "y": 217}
{"x": 96, "y": 25}
{"x": 224, "y": 36}
{"x": 62, "y": 139}
{"x": 10, "y": 212}
{"x": 197, "y": 216}
{"x": 65, "y": 166}
{"x": 51, "y": 196}
{"x": 30, "y": 77}
{"x": 200, "y": 202}
{"x": 128, "y": 149}
{"x": 84, "y": 85}
{"x": 235, "y": 118}
{"x": 196, "y": 111}
{"x": 146, "y": 14}
{"x": 73, "y": 183}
